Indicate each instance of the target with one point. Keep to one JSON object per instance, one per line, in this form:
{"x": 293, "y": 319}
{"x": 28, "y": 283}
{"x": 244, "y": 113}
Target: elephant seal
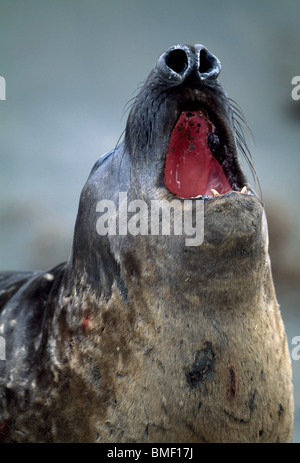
{"x": 142, "y": 336}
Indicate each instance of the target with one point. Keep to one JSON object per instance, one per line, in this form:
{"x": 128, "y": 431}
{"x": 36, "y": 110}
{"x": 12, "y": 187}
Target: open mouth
{"x": 193, "y": 168}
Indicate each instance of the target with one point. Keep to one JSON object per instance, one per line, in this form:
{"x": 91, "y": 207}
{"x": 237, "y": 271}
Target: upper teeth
{"x": 214, "y": 192}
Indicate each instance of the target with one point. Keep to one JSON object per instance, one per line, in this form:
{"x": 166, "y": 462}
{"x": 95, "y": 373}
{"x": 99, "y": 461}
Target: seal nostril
{"x": 207, "y": 61}
{"x": 209, "y": 64}
{"x": 177, "y": 61}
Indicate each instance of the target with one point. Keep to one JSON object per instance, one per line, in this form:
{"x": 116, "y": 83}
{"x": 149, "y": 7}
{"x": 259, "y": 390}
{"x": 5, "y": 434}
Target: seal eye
{"x": 177, "y": 61}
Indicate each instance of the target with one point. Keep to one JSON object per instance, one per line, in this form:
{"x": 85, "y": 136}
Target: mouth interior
{"x": 191, "y": 170}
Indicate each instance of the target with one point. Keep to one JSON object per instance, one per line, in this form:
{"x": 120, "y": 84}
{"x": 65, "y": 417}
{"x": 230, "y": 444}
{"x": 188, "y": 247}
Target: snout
{"x": 182, "y": 61}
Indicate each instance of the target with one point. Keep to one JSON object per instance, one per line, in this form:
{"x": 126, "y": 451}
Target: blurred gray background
{"x": 71, "y": 66}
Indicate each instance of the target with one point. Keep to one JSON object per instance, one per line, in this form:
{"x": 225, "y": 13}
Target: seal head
{"x": 182, "y": 120}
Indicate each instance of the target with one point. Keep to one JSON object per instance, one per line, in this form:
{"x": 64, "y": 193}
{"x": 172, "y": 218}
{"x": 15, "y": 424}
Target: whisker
{"x": 128, "y": 105}
{"x": 243, "y": 134}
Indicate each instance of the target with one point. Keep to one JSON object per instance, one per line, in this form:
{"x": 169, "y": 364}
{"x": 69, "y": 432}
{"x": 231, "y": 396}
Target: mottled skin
{"x": 141, "y": 338}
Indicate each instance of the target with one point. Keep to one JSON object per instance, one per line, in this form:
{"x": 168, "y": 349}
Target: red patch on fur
{"x": 85, "y": 320}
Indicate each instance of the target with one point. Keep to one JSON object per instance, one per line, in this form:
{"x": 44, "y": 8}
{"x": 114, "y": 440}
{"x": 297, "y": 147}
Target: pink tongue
{"x": 190, "y": 168}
